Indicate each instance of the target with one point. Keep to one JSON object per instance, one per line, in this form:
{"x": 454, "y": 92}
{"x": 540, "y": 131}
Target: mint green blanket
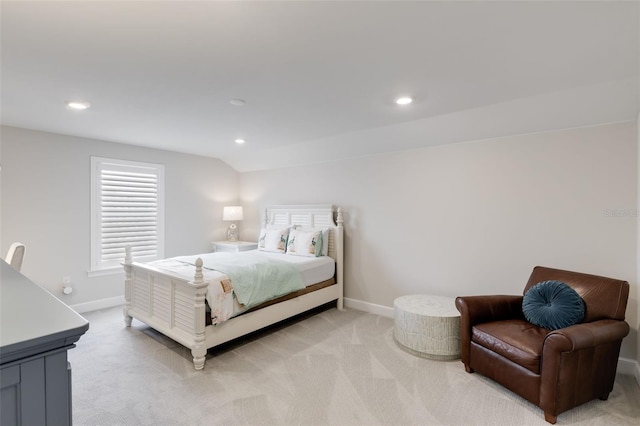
{"x": 255, "y": 279}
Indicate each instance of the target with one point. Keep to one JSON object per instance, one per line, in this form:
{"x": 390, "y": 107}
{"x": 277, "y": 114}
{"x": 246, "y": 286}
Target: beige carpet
{"x": 331, "y": 368}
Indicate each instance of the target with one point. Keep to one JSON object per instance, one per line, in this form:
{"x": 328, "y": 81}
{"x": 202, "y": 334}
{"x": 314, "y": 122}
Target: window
{"x": 127, "y": 202}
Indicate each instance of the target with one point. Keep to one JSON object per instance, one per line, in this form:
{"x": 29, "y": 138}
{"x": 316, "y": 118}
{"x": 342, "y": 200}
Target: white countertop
{"x": 32, "y": 319}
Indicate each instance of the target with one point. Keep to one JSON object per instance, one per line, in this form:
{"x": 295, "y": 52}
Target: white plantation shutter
{"x": 128, "y": 209}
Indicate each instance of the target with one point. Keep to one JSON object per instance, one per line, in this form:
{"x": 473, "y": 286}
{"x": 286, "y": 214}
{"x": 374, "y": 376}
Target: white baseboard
{"x": 371, "y": 308}
{"x": 625, "y": 365}
{"x": 98, "y": 304}
{"x": 629, "y": 367}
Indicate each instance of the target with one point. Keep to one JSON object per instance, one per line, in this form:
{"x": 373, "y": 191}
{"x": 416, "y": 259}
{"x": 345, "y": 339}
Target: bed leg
{"x": 199, "y": 356}
{"x": 127, "y": 319}
{"x": 199, "y": 350}
{"x": 340, "y": 304}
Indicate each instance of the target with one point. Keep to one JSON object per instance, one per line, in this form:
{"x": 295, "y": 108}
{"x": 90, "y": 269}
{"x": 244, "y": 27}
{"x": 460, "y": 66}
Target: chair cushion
{"x": 552, "y": 305}
{"x": 517, "y": 340}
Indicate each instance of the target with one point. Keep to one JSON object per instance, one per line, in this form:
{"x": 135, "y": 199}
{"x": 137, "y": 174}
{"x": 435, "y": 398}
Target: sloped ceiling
{"x": 318, "y": 78}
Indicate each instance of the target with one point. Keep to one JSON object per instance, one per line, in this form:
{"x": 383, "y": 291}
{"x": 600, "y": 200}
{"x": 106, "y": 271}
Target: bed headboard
{"x": 311, "y": 216}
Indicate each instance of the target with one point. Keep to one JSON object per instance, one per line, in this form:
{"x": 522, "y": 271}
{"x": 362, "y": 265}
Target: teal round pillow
{"x": 552, "y": 305}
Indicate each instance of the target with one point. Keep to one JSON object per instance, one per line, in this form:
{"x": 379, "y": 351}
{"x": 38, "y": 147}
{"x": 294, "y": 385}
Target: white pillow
{"x": 273, "y": 240}
{"x": 325, "y": 237}
{"x": 305, "y": 243}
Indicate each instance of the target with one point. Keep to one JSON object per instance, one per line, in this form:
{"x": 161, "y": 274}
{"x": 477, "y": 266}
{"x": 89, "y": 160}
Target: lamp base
{"x": 232, "y": 233}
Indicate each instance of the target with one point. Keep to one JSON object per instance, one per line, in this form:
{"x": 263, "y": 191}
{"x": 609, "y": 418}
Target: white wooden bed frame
{"x": 175, "y": 306}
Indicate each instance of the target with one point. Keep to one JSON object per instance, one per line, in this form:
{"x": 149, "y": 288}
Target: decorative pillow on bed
{"x": 273, "y": 240}
{"x": 553, "y": 305}
{"x": 325, "y": 237}
{"x": 305, "y": 243}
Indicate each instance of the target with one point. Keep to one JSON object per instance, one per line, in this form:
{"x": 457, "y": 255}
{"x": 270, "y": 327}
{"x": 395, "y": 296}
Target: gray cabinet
{"x": 36, "y": 330}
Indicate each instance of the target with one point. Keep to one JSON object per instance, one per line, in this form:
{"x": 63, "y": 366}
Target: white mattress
{"x": 312, "y": 269}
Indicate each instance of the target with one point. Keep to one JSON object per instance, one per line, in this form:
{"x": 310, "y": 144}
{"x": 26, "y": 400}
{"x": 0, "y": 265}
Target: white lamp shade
{"x": 232, "y": 213}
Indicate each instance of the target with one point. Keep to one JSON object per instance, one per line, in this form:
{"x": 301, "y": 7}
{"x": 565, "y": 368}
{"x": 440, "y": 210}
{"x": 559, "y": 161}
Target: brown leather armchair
{"x": 556, "y": 370}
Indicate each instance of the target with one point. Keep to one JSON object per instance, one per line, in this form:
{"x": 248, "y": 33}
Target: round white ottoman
{"x": 427, "y": 326}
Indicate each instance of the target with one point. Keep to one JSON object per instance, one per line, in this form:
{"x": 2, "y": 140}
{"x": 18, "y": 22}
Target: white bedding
{"x": 312, "y": 269}
{"x": 223, "y": 304}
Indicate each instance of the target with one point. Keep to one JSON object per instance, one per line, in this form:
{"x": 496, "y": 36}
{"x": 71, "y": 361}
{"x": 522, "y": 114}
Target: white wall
{"x": 475, "y": 218}
{"x": 45, "y": 204}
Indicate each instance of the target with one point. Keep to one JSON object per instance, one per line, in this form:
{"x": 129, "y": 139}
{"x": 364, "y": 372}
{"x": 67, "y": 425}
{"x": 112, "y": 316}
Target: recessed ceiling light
{"x": 239, "y": 141}
{"x": 404, "y": 100}
{"x": 237, "y": 102}
{"x": 78, "y": 105}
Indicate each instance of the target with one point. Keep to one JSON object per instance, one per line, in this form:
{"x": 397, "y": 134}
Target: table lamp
{"x": 232, "y": 213}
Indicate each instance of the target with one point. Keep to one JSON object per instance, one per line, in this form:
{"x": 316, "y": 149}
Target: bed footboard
{"x": 171, "y": 305}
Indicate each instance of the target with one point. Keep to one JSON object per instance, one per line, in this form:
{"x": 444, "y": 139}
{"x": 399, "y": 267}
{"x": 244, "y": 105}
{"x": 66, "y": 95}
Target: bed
{"x": 176, "y": 305}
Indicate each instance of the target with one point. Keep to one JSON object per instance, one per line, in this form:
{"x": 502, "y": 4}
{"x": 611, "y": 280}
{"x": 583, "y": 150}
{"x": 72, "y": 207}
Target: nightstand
{"x": 233, "y": 246}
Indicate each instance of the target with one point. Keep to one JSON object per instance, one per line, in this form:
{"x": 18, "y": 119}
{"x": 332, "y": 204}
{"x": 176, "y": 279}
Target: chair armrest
{"x": 479, "y": 309}
{"x": 585, "y": 335}
{"x": 579, "y": 363}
